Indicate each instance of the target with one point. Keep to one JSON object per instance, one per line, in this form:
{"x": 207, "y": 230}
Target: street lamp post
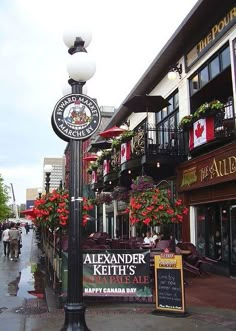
{"x": 47, "y": 170}
{"x": 80, "y": 68}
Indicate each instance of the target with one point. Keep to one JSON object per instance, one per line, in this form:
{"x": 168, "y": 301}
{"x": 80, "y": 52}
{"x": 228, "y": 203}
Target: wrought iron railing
{"x": 160, "y": 140}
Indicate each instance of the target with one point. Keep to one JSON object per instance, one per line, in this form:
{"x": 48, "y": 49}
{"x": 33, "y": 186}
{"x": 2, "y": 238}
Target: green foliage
{"x": 4, "y": 197}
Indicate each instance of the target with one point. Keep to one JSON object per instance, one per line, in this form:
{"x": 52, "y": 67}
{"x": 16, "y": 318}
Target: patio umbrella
{"x": 102, "y": 144}
{"x": 92, "y": 157}
{"x": 28, "y": 212}
{"x": 146, "y": 103}
{"x": 112, "y": 132}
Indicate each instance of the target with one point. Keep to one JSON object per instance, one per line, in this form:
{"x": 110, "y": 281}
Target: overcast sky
{"x": 127, "y": 36}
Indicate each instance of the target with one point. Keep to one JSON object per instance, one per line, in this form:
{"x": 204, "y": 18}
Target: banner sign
{"x": 117, "y": 273}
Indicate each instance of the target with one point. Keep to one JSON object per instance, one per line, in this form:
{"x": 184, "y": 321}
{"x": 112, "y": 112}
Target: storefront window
{"x": 212, "y": 228}
{"x": 201, "y": 242}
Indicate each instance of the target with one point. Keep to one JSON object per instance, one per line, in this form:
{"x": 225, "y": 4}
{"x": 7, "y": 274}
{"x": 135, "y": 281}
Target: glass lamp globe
{"x": 48, "y": 168}
{"x": 40, "y": 190}
{"x": 81, "y": 66}
{"x": 69, "y": 36}
{"x": 172, "y": 75}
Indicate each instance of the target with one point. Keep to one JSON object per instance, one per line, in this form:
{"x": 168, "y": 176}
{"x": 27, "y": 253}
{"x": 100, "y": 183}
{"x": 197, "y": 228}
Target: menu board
{"x": 169, "y": 282}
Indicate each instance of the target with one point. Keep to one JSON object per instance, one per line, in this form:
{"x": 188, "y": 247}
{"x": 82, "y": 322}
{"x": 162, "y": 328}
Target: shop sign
{"x": 212, "y": 36}
{"x": 208, "y": 171}
{"x": 169, "y": 284}
{"x": 116, "y": 273}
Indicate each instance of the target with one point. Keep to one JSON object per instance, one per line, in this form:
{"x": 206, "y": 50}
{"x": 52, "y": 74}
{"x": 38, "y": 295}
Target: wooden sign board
{"x": 169, "y": 283}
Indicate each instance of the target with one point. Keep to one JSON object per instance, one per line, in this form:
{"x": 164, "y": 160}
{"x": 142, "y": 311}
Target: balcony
{"x": 224, "y": 130}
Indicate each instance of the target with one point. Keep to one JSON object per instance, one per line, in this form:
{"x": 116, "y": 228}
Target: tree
{"x": 4, "y": 197}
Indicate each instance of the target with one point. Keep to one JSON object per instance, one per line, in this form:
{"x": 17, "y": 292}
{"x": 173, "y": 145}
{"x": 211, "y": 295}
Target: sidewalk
{"x": 210, "y": 307}
{"x": 210, "y": 302}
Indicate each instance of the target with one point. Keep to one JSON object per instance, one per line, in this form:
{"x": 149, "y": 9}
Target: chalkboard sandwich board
{"x": 169, "y": 284}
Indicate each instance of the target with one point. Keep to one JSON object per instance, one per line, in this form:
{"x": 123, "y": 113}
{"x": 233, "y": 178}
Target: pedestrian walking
{"x": 6, "y": 242}
{"x": 14, "y": 237}
{"x": 27, "y": 228}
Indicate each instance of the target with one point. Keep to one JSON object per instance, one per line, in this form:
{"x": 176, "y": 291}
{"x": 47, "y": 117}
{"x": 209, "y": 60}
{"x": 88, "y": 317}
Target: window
{"x": 213, "y": 67}
{"x": 167, "y": 120}
{"x": 203, "y": 75}
{"x": 194, "y": 84}
{"x": 225, "y": 58}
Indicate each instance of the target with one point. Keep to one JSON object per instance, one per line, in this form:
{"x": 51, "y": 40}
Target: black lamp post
{"x": 47, "y": 170}
{"x": 79, "y": 73}
{"x": 40, "y": 191}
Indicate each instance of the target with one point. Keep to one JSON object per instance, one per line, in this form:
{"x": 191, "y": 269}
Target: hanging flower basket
{"x": 52, "y": 210}
{"x": 153, "y": 206}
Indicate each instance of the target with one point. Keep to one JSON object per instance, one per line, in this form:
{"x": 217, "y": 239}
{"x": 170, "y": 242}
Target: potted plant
{"x": 106, "y": 154}
{"x": 115, "y": 144}
{"x": 126, "y": 136}
{"x": 209, "y": 109}
{"x": 186, "y": 122}
{"x": 93, "y": 166}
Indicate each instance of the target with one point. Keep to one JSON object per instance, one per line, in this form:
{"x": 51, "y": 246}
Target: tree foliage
{"x": 4, "y": 197}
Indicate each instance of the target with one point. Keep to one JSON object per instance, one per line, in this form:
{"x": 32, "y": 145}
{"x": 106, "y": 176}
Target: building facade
{"x": 199, "y": 159}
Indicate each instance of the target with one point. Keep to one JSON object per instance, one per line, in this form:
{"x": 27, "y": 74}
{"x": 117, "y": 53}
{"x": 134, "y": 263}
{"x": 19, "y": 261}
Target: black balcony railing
{"x": 160, "y": 141}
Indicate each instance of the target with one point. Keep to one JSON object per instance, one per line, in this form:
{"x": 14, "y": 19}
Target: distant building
{"x": 31, "y": 195}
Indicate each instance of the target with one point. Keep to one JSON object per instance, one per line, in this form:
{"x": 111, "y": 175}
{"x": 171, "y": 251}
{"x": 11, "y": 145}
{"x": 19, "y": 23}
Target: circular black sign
{"x": 76, "y": 117}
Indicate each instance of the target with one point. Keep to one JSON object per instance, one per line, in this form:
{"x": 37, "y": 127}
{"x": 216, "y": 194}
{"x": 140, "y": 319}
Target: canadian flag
{"x": 202, "y": 131}
{"x": 125, "y": 152}
{"x": 106, "y": 167}
{"x": 94, "y": 177}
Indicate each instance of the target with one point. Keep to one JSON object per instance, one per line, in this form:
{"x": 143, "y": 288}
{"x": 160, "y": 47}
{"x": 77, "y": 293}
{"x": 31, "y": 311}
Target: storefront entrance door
{"x": 233, "y": 240}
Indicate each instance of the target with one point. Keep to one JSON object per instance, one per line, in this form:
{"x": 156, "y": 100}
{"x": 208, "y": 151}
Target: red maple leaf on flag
{"x": 123, "y": 150}
{"x": 199, "y": 130}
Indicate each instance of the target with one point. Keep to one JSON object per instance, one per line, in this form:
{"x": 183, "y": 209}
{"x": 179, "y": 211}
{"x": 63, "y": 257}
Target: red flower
{"x": 153, "y": 206}
{"x": 52, "y": 210}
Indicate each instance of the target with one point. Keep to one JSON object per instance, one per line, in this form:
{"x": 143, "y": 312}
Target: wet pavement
{"x": 210, "y": 302}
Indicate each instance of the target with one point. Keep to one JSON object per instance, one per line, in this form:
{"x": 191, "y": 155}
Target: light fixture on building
{"x": 129, "y": 171}
{"x": 174, "y": 70}
{"x": 125, "y": 125}
{"x": 110, "y": 182}
{"x": 158, "y": 165}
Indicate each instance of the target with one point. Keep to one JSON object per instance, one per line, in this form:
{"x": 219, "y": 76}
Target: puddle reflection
{"x": 29, "y": 283}
{"x": 13, "y": 286}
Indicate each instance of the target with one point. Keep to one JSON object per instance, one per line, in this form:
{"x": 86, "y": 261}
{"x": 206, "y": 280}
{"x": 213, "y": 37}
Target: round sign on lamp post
{"x": 74, "y": 119}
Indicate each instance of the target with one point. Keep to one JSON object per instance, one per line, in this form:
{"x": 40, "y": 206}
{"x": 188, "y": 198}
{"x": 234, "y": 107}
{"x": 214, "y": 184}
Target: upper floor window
{"x": 168, "y": 112}
{"x": 215, "y": 65}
